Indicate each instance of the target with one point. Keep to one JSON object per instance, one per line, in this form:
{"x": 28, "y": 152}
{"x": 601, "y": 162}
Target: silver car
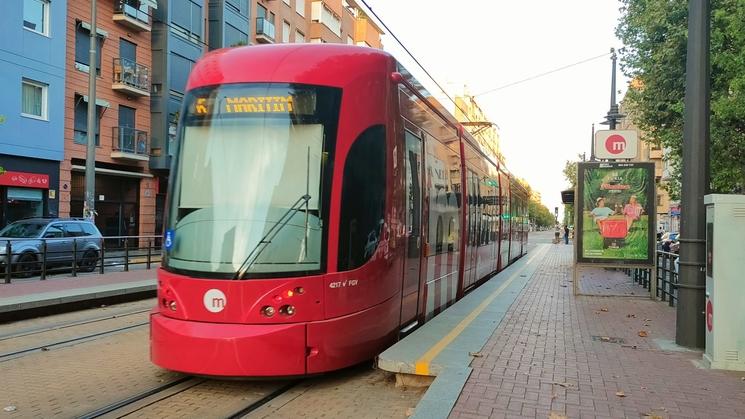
{"x": 52, "y": 241}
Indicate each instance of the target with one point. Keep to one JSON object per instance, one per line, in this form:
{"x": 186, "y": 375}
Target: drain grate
{"x": 609, "y": 339}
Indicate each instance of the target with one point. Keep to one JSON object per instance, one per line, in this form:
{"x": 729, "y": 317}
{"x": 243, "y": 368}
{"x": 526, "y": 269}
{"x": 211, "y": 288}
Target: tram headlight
{"x": 299, "y": 290}
{"x": 287, "y": 310}
{"x": 172, "y": 305}
{"x": 268, "y": 311}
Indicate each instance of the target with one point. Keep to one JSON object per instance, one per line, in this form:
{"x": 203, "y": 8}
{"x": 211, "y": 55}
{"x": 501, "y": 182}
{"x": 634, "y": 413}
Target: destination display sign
{"x": 243, "y": 101}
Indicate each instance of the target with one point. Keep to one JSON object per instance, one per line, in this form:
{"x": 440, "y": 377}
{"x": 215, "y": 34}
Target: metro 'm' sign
{"x": 616, "y": 144}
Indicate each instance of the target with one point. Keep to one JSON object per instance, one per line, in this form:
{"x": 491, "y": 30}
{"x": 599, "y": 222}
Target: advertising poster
{"x": 616, "y": 213}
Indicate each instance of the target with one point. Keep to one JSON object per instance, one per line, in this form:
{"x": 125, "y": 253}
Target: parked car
{"x": 54, "y": 241}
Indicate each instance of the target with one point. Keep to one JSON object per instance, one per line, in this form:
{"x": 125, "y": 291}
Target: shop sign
{"x": 22, "y": 179}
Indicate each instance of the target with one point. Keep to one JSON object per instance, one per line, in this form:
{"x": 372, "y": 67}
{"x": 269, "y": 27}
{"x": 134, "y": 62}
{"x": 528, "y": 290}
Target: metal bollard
{"x": 74, "y": 257}
{"x": 44, "y": 260}
{"x": 103, "y": 254}
{"x": 149, "y": 252}
{"x": 126, "y": 255}
{"x": 8, "y": 254}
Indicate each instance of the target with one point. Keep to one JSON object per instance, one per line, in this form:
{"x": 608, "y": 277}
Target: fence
{"x": 45, "y": 256}
{"x": 667, "y": 277}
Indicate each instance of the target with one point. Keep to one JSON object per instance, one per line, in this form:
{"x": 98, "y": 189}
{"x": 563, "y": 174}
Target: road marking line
{"x": 421, "y": 366}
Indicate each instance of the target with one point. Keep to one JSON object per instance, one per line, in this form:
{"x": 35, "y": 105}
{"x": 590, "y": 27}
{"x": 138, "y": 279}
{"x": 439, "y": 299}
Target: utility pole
{"x": 689, "y": 329}
{"x": 89, "y": 206}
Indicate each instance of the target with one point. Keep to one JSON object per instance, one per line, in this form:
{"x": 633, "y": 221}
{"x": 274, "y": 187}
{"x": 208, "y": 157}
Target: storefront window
{"x": 24, "y": 203}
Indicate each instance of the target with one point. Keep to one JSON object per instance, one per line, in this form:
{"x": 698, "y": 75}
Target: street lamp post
{"x": 613, "y": 115}
{"x": 689, "y": 327}
{"x": 89, "y": 206}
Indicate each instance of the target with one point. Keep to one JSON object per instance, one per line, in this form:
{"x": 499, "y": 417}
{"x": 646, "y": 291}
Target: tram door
{"x": 413, "y": 249}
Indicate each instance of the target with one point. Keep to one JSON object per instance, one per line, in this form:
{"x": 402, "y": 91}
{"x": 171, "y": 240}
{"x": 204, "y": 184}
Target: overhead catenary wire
{"x": 546, "y": 73}
{"x": 414, "y": 58}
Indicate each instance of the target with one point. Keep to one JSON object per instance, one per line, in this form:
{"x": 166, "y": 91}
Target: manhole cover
{"x": 609, "y": 339}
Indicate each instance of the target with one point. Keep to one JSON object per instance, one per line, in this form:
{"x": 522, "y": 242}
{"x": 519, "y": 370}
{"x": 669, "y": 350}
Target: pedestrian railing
{"x": 41, "y": 257}
{"x": 667, "y": 277}
{"x": 666, "y": 273}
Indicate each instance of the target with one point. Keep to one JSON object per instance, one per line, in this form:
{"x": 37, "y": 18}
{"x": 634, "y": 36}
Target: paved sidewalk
{"x": 34, "y": 294}
{"x": 556, "y": 355}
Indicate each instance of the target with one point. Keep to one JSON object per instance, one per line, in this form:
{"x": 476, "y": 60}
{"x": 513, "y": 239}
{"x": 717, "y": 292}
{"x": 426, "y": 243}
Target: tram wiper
{"x": 270, "y": 235}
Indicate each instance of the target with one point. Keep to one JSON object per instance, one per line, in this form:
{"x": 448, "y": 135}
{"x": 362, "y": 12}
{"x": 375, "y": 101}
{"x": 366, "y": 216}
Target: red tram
{"x": 321, "y": 203}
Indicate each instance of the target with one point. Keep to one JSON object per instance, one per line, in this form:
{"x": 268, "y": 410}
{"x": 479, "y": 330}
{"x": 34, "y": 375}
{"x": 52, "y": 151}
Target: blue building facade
{"x": 32, "y": 74}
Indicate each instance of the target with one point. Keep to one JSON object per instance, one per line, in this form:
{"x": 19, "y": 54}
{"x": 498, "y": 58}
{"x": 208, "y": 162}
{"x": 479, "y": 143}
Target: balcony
{"x": 264, "y": 31}
{"x": 131, "y": 78}
{"x": 130, "y": 144}
{"x": 134, "y": 14}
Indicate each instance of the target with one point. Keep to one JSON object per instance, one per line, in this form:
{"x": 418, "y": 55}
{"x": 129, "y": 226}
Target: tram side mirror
{"x": 396, "y": 77}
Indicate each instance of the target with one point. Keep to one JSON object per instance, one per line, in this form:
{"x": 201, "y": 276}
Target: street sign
{"x": 616, "y": 144}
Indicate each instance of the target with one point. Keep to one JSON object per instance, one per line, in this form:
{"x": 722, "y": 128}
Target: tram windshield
{"x": 250, "y": 188}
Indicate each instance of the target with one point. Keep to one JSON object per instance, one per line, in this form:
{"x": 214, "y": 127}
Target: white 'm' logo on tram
{"x": 214, "y": 300}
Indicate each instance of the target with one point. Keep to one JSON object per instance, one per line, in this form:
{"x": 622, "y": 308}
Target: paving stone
{"x": 545, "y": 347}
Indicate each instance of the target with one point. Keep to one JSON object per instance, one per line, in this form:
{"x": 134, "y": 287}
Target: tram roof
{"x": 319, "y": 64}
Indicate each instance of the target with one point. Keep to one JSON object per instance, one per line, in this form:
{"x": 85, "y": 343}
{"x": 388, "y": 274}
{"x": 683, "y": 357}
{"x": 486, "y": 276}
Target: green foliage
{"x": 570, "y": 172}
{"x": 539, "y": 214}
{"x": 654, "y": 33}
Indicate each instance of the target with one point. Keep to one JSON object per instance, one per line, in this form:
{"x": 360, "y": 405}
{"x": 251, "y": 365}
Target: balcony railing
{"x": 132, "y": 14}
{"x": 130, "y": 143}
{"x": 131, "y": 78}
{"x": 264, "y": 30}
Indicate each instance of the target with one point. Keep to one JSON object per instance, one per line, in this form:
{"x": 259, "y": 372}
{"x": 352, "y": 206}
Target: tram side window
{"x": 363, "y": 199}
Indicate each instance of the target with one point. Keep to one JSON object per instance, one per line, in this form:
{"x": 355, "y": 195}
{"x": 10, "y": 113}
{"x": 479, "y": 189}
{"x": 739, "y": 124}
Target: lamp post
{"x": 613, "y": 115}
{"x": 89, "y": 205}
{"x": 689, "y": 327}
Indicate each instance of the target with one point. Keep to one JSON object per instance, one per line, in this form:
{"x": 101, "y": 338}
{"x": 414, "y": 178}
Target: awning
{"x": 99, "y": 31}
{"x": 99, "y": 102}
{"x": 103, "y": 171}
{"x": 152, "y": 3}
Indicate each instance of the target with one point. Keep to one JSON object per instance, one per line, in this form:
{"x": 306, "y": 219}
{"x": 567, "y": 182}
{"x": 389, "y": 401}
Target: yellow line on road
{"x": 421, "y": 366}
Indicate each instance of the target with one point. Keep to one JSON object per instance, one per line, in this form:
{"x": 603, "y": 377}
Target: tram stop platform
{"x": 24, "y": 298}
{"x": 523, "y": 345}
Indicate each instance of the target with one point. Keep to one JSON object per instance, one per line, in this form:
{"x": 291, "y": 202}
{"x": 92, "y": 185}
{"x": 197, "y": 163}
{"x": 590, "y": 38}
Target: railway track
{"x": 7, "y": 356}
{"x": 163, "y": 394}
{"x": 65, "y": 325}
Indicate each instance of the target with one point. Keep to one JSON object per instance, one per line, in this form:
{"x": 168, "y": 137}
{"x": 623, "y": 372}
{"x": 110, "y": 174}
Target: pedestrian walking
{"x": 566, "y": 234}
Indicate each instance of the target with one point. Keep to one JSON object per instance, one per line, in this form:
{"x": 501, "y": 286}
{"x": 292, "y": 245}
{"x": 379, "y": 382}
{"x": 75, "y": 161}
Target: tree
{"x": 654, "y": 33}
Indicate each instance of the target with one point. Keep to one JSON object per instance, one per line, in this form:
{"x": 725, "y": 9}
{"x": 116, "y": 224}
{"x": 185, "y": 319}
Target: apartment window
{"x": 287, "y": 2}
{"x": 187, "y": 20}
{"x": 82, "y": 46}
{"x": 317, "y": 41}
{"x": 234, "y": 37}
{"x": 285, "y": 31}
{"x": 238, "y": 6}
{"x": 300, "y": 7}
{"x": 34, "y": 99}
{"x": 36, "y": 16}
{"x": 261, "y": 11}
{"x": 81, "y": 121}
{"x": 299, "y": 37}
{"x": 350, "y": 41}
{"x": 180, "y": 69}
{"x": 322, "y": 14}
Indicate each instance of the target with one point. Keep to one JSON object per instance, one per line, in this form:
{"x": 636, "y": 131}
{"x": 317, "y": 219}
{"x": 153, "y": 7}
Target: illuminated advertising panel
{"x": 616, "y": 213}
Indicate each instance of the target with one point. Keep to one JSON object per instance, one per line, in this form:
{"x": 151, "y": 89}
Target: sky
{"x": 485, "y": 44}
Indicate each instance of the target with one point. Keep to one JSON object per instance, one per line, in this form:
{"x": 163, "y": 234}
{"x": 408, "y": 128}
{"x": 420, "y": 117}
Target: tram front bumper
{"x": 229, "y": 350}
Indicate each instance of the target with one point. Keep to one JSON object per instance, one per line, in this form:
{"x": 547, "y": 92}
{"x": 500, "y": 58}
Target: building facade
{"x": 125, "y": 189}
{"x": 32, "y": 73}
{"x": 473, "y": 119}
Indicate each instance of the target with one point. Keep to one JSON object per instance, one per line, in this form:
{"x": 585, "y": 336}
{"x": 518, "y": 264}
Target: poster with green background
{"x": 616, "y": 213}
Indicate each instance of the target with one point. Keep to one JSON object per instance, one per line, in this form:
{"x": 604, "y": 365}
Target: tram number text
{"x": 345, "y": 283}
